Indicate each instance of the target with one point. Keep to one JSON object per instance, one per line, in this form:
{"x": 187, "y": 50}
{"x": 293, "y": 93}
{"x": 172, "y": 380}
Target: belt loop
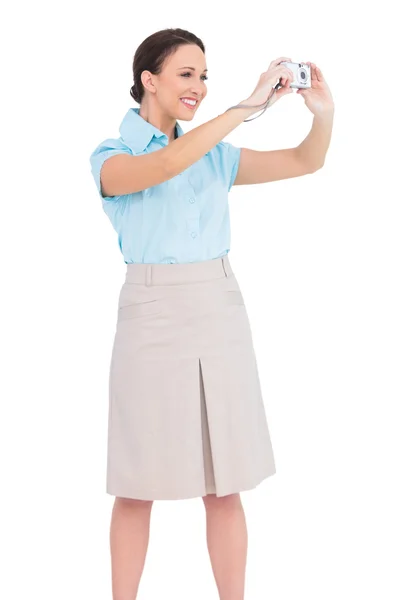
{"x": 224, "y": 266}
{"x": 148, "y": 275}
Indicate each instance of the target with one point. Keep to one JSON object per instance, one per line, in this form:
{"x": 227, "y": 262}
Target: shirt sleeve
{"x": 230, "y": 158}
{"x": 106, "y": 149}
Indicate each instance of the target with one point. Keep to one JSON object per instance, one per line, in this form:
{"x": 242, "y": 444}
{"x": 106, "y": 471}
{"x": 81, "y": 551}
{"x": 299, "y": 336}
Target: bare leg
{"x": 227, "y": 544}
{"x": 129, "y": 538}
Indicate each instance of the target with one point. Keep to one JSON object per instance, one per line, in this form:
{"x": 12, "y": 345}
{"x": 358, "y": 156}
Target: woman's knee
{"x": 230, "y": 501}
{"x": 133, "y": 502}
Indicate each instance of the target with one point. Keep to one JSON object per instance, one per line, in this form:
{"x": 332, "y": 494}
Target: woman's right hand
{"x": 268, "y": 80}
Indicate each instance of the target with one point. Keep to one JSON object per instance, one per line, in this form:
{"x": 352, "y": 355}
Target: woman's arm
{"x": 126, "y": 174}
{"x": 257, "y": 166}
{"x": 190, "y": 147}
{"x": 313, "y": 149}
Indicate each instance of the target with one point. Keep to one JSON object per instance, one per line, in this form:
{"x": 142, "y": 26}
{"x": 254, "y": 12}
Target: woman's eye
{"x": 204, "y": 76}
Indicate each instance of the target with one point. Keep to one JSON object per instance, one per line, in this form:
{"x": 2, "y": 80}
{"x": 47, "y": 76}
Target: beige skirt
{"x": 186, "y": 414}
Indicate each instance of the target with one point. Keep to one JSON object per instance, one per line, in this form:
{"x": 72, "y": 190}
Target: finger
{"x": 316, "y": 73}
{"x": 319, "y": 74}
{"x": 285, "y": 75}
{"x": 277, "y": 61}
{"x": 285, "y": 81}
{"x": 313, "y": 71}
{"x": 289, "y": 79}
{"x": 285, "y": 86}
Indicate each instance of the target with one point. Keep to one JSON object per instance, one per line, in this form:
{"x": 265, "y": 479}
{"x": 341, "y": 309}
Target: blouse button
{"x": 191, "y": 200}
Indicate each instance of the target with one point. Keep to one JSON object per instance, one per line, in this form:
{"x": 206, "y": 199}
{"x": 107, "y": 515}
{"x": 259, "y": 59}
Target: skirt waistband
{"x": 175, "y": 273}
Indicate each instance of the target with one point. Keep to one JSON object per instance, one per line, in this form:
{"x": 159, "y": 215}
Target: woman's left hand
{"x": 318, "y": 97}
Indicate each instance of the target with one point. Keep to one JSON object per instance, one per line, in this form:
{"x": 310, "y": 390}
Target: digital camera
{"x": 301, "y": 74}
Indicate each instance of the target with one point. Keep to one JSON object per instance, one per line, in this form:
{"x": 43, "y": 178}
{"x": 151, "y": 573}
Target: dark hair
{"x": 153, "y": 51}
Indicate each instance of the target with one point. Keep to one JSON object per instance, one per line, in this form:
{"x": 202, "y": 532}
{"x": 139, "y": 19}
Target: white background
{"x": 317, "y": 259}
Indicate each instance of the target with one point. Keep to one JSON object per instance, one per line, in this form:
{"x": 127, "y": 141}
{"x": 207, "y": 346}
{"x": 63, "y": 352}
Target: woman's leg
{"x": 227, "y": 543}
{"x": 129, "y": 538}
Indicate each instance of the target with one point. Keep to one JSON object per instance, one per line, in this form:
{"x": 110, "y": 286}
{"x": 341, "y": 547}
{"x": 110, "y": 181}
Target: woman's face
{"x": 183, "y": 76}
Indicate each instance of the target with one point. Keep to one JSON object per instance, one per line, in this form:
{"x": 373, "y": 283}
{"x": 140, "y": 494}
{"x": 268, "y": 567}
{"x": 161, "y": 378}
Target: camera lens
{"x": 302, "y": 74}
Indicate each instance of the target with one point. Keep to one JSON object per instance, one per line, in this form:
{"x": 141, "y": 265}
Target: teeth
{"x": 191, "y": 102}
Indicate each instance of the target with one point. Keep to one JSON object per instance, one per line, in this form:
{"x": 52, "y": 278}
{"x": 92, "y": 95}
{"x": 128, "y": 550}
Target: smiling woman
{"x": 173, "y": 70}
{"x": 186, "y": 412}
{"x": 175, "y": 83}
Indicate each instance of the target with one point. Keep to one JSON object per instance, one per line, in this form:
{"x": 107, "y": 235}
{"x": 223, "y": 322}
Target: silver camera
{"x": 301, "y": 74}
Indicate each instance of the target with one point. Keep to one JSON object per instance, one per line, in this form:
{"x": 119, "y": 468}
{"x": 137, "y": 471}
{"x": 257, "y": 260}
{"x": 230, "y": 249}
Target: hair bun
{"x": 134, "y": 92}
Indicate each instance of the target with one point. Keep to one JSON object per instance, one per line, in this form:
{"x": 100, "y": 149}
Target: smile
{"x": 189, "y": 103}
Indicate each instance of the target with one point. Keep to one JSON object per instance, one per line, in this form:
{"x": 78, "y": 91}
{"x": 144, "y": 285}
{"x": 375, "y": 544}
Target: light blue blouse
{"x": 182, "y": 220}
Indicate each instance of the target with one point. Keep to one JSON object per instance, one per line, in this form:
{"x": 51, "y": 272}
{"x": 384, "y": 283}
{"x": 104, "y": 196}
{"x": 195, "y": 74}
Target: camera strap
{"x": 265, "y": 105}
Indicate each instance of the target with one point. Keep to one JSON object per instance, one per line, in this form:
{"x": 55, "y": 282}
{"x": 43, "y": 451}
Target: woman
{"x": 186, "y": 415}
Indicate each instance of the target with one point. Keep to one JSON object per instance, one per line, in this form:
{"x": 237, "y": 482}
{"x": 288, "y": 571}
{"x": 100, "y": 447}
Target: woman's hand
{"x": 318, "y": 97}
{"x": 268, "y": 80}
